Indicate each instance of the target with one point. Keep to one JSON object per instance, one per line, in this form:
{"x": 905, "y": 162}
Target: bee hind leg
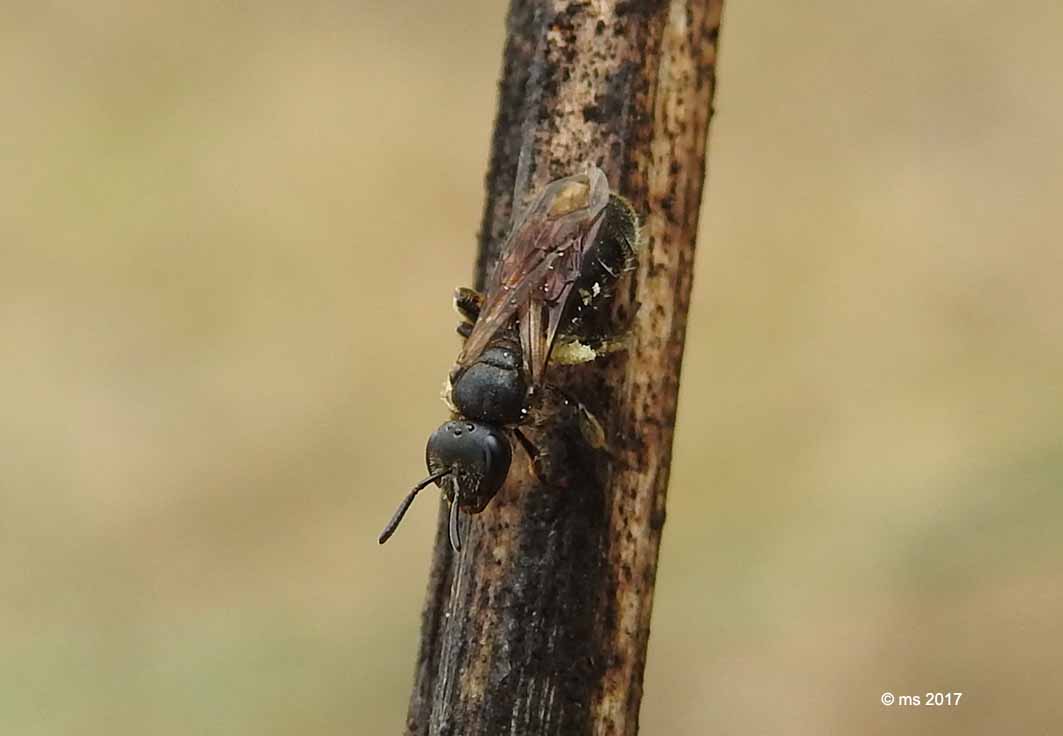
{"x": 570, "y": 441}
{"x": 590, "y": 428}
{"x": 574, "y": 350}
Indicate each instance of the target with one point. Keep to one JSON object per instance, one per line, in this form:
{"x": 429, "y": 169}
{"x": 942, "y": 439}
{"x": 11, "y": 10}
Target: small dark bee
{"x": 552, "y": 284}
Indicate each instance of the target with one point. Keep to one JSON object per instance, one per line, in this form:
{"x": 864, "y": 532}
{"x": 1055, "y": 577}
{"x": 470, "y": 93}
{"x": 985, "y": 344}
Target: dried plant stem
{"x": 540, "y": 624}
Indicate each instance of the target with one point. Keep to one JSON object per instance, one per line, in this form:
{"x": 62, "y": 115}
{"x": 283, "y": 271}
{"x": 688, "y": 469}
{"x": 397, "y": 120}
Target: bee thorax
{"x": 492, "y": 389}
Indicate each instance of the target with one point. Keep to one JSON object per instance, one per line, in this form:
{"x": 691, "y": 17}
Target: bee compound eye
{"x": 497, "y": 458}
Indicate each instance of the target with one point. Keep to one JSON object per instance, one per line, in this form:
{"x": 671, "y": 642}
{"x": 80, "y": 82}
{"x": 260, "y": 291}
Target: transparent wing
{"x": 539, "y": 263}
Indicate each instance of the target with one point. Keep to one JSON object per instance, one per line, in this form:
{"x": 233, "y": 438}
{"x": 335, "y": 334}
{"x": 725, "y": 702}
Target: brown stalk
{"x": 539, "y": 625}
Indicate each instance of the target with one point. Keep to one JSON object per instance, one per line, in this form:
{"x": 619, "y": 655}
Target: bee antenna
{"x": 401, "y": 510}
{"x": 455, "y": 537}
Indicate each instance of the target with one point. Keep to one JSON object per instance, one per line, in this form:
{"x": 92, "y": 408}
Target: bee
{"x": 545, "y": 303}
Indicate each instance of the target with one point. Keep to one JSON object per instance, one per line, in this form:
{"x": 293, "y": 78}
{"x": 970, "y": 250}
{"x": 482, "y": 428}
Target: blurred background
{"x": 229, "y": 235}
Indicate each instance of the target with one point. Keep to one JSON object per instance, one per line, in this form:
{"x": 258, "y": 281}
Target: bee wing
{"x": 538, "y": 318}
{"x": 540, "y": 261}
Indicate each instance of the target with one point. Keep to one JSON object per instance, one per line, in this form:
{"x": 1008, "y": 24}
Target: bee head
{"x": 469, "y": 461}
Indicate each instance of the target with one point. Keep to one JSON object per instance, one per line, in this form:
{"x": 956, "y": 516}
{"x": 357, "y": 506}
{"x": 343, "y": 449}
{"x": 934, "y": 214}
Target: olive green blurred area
{"x": 229, "y": 235}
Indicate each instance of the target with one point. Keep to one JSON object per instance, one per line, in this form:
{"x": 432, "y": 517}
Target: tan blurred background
{"x": 229, "y": 235}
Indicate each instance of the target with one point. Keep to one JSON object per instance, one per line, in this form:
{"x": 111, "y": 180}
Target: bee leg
{"x": 590, "y": 428}
{"x": 570, "y": 350}
{"x": 569, "y": 438}
{"x": 573, "y": 350}
{"x": 544, "y": 463}
{"x": 529, "y": 448}
{"x": 467, "y": 303}
{"x": 447, "y": 396}
{"x": 620, "y": 341}
{"x": 551, "y": 467}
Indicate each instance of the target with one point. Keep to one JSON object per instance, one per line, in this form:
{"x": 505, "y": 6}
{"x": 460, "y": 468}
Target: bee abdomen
{"x": 614, "y": 251}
